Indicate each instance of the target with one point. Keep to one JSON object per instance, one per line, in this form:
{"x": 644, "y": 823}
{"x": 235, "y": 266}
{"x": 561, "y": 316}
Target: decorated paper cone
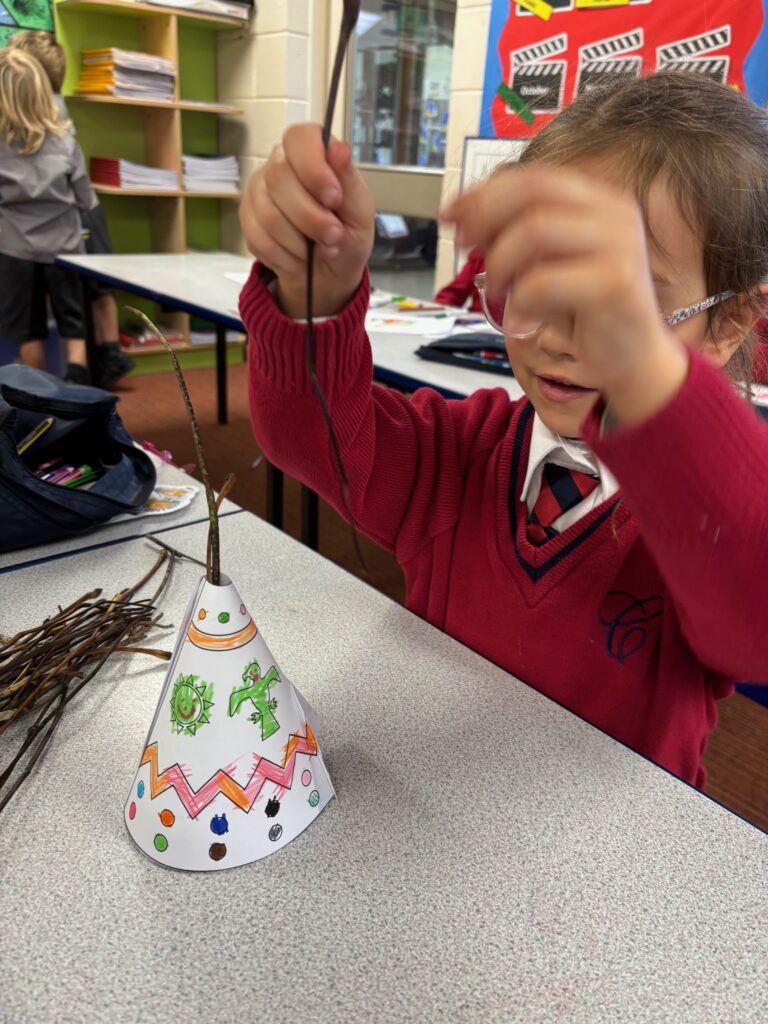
{"x": 231, "y": 770}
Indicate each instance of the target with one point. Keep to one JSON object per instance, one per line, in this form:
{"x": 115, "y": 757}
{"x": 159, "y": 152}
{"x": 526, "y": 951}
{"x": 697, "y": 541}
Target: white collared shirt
{"x": 547, "y": 446}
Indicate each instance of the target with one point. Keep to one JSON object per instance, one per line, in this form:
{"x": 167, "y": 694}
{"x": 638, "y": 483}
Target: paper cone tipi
{"x": 231, "y": 770}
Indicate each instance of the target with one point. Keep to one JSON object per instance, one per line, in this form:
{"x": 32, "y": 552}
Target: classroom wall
{"x": 274, "y": 70}
{"x": 469, "y": 46}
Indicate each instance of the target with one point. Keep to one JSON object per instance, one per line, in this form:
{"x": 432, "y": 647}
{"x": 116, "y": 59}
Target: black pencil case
{"x": 464, "y": 350}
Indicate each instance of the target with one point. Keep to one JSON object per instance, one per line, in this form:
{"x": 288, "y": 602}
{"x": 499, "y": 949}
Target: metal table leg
{"x": 309, "y": 518}
{"x": 221, "y": 373}
{"x": 274, "y": 496}
{"x": 88, "y": 329}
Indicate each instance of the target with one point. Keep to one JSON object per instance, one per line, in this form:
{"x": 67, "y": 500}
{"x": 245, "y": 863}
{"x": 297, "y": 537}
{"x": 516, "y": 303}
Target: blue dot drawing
{"x": 219, "y": 824}
{"x": 140, "y": 790}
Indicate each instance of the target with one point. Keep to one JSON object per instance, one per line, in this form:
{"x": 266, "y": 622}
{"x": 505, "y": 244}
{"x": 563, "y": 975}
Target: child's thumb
{"x": 355, "y": 207}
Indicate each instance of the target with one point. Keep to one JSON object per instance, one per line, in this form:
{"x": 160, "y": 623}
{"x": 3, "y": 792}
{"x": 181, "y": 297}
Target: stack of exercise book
{"x": 126, "y": 74}
{"x": 127, "y": 175}
{"x": 228, "y": 8}
{"x": 210, "y": 173}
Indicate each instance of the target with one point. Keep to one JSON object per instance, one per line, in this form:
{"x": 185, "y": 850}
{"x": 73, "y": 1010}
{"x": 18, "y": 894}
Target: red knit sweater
{"x": 462, "y": 287}
{"x": 638, "y": 617}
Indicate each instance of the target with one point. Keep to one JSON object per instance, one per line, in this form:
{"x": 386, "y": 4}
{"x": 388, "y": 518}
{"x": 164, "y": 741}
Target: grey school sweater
{"x": 41, "y": 196}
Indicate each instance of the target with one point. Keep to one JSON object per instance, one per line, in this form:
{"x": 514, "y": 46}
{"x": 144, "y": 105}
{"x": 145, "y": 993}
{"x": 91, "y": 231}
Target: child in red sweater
{"x": 463, "y": 287}
{"x": 605, "y": 538}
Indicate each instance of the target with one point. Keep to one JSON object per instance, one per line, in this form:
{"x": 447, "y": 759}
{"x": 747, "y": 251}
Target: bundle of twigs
{"x": 44, "y": 667}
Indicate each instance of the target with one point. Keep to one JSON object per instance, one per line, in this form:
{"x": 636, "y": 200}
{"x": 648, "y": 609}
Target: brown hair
{"x": 45, "y": 49}
{"x": 27, "y": 109}
{"x": 709, "y": 143}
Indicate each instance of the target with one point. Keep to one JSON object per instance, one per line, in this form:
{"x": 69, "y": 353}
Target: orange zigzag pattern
{"x": 243, "y": 797}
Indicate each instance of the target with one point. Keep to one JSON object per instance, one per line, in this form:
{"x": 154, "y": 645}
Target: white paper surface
{"x": 402, "y": 323}
{"x": 164, "y": 500}
{"x": 231, "y": 770}
{"x": 236, "y": 276}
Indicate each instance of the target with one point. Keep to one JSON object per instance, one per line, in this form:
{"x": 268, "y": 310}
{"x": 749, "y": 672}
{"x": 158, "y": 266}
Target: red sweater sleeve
{"x": 462, "y": 286}
{"x": 405, "y": 458}
{"x": 695, "y": 476}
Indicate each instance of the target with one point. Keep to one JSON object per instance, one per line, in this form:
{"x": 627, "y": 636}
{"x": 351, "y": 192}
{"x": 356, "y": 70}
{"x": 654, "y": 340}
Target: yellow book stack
{"x": 126, "y": 73}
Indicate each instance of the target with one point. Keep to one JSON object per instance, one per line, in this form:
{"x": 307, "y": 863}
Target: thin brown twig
{"x": 213, "y": 568}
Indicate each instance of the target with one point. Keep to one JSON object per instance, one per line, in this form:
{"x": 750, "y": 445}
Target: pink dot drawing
{"x": 132, "y": 811}
{"x": 242, "y": 609}
{"x": 306, "y": 777}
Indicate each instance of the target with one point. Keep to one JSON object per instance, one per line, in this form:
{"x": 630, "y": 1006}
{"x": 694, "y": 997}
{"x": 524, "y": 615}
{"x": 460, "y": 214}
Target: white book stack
{"x": 125, "y": 174}
{"x": 210, "y": 174}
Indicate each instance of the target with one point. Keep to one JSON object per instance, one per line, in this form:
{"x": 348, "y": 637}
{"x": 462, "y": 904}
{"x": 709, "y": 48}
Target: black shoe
{"x": 111, "y": 364}
{"x": 76, "y": 374}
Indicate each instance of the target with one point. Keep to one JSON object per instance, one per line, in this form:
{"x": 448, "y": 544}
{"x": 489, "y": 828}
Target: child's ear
{"x": 732, "y": 326}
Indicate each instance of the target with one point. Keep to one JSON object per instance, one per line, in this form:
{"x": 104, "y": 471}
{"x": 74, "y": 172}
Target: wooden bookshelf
{"x": 129, "y": 9}
{"x": 150, "y": 131}
{"x": 162, "y": 193}
{"x": 126, "y": 101}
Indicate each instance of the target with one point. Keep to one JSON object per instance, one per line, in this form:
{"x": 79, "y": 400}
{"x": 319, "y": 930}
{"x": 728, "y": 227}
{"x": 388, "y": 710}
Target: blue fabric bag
{"x": 85, "y": 430}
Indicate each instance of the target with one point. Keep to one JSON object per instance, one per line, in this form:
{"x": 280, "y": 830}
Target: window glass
{"x": 401, "y": 82}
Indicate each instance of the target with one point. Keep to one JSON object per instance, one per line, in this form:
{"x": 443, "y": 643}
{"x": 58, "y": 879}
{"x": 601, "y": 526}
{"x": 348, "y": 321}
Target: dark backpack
{"x": 86, "y": 429}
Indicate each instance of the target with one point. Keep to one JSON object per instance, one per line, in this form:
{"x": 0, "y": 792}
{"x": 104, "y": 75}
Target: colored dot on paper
{"x": 243, "y": 609}
{"x": 217, "y": 851}
{"x": 275, "y": 832}
{"x": 306, "y": 777}
{"x": 223, "y": 617}
{"x": 132, "y": 811}
{"x": 140, "y": 790}
{"x": 161, "y": 843}
{"x": 314, "y": 798}
{"x": 202, "y": 613}
{"x": 167, "y": 818}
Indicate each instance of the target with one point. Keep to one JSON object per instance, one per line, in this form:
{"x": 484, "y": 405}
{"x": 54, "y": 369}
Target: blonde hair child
{"x": 44, "y": 187}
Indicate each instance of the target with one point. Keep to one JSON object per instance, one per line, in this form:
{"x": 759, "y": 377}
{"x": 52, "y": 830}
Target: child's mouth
{"x": 556, "y": 390}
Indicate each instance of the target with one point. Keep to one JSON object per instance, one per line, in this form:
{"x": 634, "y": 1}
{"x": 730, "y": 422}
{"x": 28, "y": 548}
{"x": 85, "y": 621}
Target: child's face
{"x": 546, "y": 363}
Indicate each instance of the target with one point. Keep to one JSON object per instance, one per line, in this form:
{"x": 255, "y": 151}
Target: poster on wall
{"x": 17, "y": 14}
{"x": 542, "y": 54}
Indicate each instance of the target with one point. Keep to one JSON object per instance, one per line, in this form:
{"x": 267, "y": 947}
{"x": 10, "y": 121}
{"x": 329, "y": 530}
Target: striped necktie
{"x": 561, "y": 490}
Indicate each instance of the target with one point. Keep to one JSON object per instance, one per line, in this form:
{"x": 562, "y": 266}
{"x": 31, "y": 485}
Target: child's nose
{"x": 555, "y": 343}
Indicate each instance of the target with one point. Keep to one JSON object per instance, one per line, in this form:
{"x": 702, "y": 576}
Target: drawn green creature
{"x": 256, "y": 690}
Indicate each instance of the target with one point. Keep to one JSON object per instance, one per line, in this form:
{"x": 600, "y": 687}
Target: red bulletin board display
{"x": 536, "y": 63}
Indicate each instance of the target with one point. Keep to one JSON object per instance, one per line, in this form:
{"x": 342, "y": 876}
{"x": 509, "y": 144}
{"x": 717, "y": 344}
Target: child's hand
{"x": 303, "y": 192}
{"x": 572, "y": 253}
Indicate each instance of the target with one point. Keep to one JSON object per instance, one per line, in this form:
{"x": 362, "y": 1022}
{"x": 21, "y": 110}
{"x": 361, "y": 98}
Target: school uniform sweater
{"x": 462, "y": 287}
{"x": 637, "y": 617}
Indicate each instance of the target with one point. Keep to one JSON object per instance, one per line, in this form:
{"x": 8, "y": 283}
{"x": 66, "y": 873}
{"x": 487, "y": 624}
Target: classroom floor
{"x": 737, "y": 756}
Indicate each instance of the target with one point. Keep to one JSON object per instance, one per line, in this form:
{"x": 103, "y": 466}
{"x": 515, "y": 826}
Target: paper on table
{"x": 163, "y": 501}
{"x": 236, "y": 276}
{"x": 378, "y": 322}
{"x": 231, "y": 770}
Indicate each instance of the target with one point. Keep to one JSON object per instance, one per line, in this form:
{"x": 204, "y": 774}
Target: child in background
{"x": 462, "y": 287}
{"x": 111, "y": 362}
{"x": 43, "y": 186}
{"x": 604, "y": 538}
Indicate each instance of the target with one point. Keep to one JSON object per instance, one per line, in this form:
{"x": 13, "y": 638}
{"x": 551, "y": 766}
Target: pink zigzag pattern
{"x": 243, "y": 797}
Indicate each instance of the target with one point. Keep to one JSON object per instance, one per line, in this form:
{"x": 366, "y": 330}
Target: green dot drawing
{"x": 517, "y": 103}
{"x": 223, "y": 616}
{"x": 161, "y": 843}
{"x": 256, "y": 690}
{"x": 190, "y": 701}
{"x": 314, "y": 798}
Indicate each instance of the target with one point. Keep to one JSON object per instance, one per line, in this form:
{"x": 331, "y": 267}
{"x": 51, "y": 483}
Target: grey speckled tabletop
{"x": 490, "y": 857}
